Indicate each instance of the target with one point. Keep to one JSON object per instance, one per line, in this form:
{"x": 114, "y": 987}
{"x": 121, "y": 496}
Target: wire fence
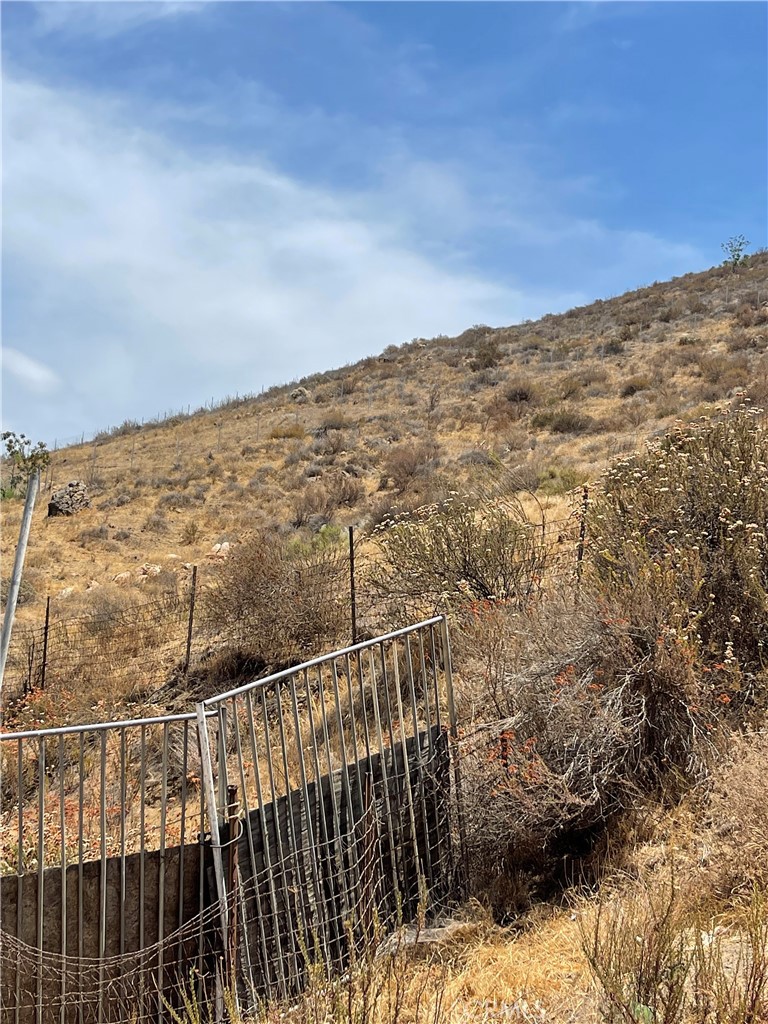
{"x": 275, "y": 831}
{"x": 161, "y": 645}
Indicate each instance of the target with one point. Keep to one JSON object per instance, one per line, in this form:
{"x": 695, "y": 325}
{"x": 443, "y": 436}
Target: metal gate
{"x": 276, "y": 829}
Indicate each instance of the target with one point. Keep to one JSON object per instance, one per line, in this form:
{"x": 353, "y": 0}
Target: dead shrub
{"x": 406, "y": 462}
{"x": 279, "y": 602}
{"x": 283, "y": 431}
{"x": 736, "y": 841}
{"x": 636, "y": 383}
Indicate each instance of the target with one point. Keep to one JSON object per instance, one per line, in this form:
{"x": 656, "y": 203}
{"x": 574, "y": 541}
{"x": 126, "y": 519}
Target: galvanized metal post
{"x": 213, "y": 819}
{"x": 18, "y": 568}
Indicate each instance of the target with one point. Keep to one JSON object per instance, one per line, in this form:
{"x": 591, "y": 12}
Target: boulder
{"x": 70, "y": 499}
{"x": 300, "y": 396}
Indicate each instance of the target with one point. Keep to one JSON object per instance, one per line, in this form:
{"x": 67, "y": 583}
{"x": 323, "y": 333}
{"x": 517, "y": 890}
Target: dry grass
{"x": 550, "y": 408}
{"x": 549, "y": 403}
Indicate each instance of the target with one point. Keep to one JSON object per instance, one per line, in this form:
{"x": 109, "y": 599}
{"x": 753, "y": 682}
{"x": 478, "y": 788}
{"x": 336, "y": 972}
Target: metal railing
{"x": 318, "y": 795}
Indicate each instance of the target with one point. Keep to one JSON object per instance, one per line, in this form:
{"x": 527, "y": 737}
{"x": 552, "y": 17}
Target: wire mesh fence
{"x": 271, "y": 833}
{"x": 144, "y": 644}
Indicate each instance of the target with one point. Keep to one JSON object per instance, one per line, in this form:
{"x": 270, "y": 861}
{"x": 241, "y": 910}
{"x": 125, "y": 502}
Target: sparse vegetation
{"x": 609, "y": 714}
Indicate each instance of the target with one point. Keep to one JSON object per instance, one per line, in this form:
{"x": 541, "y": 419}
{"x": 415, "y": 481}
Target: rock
{"x": 66, "y": 592}
{"x": 122, "y": 579}
{"x": 300, "y": 396}
{"x": 93, "y": 585}
{"x": 150, "y": 569}
{"x": 70, "y": 499}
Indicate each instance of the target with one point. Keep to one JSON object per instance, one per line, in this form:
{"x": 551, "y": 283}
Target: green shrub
{"x": 564, "y": 421}
{"x": 452, "y": 552}
{"x": 687, "y": 520}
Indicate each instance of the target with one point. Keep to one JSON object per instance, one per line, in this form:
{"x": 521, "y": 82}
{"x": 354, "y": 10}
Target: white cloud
{"x": 162, "y": 278}
{"x": 103, "y": 19}
{"x": 148, "y": 276}
{"x": 30, "y": 373}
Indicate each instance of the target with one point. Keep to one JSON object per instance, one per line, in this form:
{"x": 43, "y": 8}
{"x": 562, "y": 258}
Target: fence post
{"x": 206, "y": 773}
{"x": 454, "y": 735}
{"x": 12, "y": 596}
{"x": 352, "y": 595}
{"x": 582, "y": 532}
{"x": 233, "y": 821}
{"x": 191, "y": 619}
{"x": 45, "y": 641}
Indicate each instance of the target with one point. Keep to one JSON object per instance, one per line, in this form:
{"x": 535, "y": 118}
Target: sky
{"x": 208, "y": 198}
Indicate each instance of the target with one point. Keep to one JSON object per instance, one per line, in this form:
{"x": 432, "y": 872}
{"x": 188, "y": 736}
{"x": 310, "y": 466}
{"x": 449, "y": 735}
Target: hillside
{"x": 610, "y": 681}
{"x": 549, "y": 401}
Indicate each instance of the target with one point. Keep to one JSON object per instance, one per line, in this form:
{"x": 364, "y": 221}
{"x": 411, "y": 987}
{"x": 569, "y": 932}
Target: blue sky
{"x": 207, "y": 198}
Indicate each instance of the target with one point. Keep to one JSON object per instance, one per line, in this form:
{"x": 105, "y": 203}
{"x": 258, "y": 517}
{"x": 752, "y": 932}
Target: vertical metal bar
{"x": 352, "y": 596}
{"x": 427, "y": 712}
{"x": 406, "y": 762}
{"x": 266, "y": 843}
{"x": 384, "y": 772}
{"x": 63, "y": 829}
{"x": 454, "y": 732}
{"x": 12, "y": 597}
{"x": 343, "y": 757}
{"x": 222, "y": 758}
{"x": 325, "y": 833}
{"x": 201, "y": 887}
{"x": 421, "y": 786}
{"x": 182, "y": 832}
{"x": 80, "y": 860}
{"x": 142, "y": 837}
{"x": 190, "y": 623}
{"x": 45, "y": 641}
{"x": 40, "y": 874}
{"x": 353, "y": 730}
{"x": 161, "y": 876}
{"x": 293, "y": 840}
{"x": 103, "y": 873}
{"x": 278, "y": 835}
{"x": 363, "y": 705}
{"x": 20, "y": 867}
{"x": 251, "y": 853}
{"x": 123, "y": 813}
{"x": 233, "y": 821}
{"x": 387, "y": 702}
{"x": 213, "y": 818}
{"x": 438, "y": 702}
{"x": 312, "y": 851}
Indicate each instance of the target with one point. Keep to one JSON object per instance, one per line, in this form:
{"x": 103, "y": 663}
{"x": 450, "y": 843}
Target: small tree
{"x": 735, "y": 251}
{"x": 24, "y": 458}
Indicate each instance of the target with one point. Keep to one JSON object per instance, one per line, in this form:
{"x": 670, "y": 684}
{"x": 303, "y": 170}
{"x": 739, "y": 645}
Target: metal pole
{"x": 455, "y": 752}
{"x": 191, "y": 619}
{"x": 45, "y": 641}
{"x": 18, "y": 568}
{"x": 352, "y": 596}
{"x": 213, "y": 819}
{"x": 233, "y": 821}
